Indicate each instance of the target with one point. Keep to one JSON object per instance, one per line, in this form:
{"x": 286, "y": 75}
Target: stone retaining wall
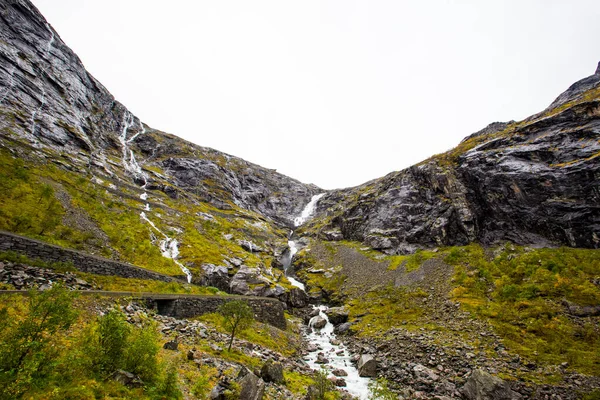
{"x": 81, "y": 261}
{"x": 268, "y": 311}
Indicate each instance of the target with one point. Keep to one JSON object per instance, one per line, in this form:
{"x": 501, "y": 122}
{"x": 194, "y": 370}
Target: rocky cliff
{"x": 533, "y": 181}
{"x": 530, "y": 182}
{"x": 49, "y": 99}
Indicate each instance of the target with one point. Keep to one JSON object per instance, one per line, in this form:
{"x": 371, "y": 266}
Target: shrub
{"x": 29, "y": 346}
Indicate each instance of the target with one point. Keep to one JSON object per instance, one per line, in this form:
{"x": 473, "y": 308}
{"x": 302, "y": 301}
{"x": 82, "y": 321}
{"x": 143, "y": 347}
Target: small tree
{"x": 321, "y": 387}
{"x": 28, "y": 346}
{"x": 237, "y": 316}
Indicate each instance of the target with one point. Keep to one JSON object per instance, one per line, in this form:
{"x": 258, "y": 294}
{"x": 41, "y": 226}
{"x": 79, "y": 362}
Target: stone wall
{"x": 269, "y": 311}
{"x": 81, "y": 261}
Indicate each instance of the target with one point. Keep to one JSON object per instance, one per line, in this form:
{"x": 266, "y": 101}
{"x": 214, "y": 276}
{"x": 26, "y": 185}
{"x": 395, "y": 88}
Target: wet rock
{"x": 483, "y": 386}
{"x": 337, "y": 315}
{"x": 296, "y": 298}
{"x": 339, "y": 372}
{"x": 321, "y": 359}
{"x": 318, "y": 322}
{"x": 338, "y": 382}
{"x": 367, "y": 366}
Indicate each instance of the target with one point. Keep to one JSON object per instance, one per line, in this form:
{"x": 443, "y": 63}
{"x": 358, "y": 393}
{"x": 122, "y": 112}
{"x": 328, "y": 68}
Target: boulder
{"x": 339, "y": 372}
{"x": 317, "y": 322}
{"x": 297, "y": 298}
{"x": 246, "y": 276}
{"x": 337, "y": 315}
{"x": 251, "y": 247}
{"x": 171, "y": 345}
{"x": 367, "y": 366}
{"x": 483, "y": 386}
{"x": 425, "y": 373}
{"x": 251, "y": 386}
{"x": 272, "y": 372}
{"x": 343, "y": 328}
{"x": 338, "y": 382}
{"x": 216, "y": 276}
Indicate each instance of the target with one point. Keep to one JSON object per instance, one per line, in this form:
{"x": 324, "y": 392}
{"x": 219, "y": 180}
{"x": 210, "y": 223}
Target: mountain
{"x": 531, "y": 182}
{"x": 53, "y": 103}
{"x": 473, "y": 274}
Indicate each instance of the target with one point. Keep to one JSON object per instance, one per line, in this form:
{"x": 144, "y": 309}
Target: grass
{"x": 382, "y": 309}
{"x": 520, "y": 291}
{"x": 285, "y": 342}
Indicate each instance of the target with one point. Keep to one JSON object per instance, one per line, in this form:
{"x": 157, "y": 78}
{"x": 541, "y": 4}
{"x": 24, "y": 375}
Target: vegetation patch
{"x": 521, "y": 291}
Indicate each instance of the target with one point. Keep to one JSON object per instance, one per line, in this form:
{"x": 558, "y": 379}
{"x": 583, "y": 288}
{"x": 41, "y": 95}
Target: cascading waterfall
{"x": 324, "y": 340}
{"x": 169, "y": 247}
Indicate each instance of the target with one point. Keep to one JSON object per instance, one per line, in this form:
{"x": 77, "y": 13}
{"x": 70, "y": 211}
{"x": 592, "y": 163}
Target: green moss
{"x": 296, "y": 382}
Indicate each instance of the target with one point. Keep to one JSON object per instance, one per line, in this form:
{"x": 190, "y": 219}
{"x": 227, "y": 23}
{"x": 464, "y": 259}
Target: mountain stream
{"x": 169, "y": 247}
{"x": 328, "y": 354}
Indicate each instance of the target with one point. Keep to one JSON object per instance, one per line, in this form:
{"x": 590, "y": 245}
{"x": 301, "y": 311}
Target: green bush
{"x": 29, "y": 346}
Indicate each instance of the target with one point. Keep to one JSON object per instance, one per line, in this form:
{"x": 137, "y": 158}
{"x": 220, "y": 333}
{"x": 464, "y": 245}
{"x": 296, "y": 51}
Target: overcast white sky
{"x": 331, "y": 92}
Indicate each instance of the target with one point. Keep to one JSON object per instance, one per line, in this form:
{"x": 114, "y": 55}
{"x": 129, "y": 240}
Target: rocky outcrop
{"x": 532, "y": 182}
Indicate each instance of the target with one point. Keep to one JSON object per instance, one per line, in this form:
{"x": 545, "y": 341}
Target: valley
{"x": 474, "y": 274}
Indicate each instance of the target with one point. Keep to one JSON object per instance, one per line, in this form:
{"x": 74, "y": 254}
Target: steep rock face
{"x": 49, "y": 99}
{"x": 532, "y": 182}
{"x": 47, "y": 95}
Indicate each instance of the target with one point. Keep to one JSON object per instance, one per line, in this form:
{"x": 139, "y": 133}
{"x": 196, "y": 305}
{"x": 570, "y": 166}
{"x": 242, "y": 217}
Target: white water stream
{"x": 324, "y": 340}
{"x": 338, "y": 356}
{"x": 169, "y": 247}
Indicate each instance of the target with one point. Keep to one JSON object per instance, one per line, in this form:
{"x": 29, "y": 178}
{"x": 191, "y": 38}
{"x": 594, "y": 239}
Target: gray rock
{"x": 251, "y": 387}
{"x": 422, "y": 371}
{"x": 337, "y": 315}
{"x": 171, "y": 345}
{"x": 483, "y": 386}
{"x": 517, "y": 184}
{"x": 127, "y": 378}
{"x": 343, "y": 328}
{"x": 367, "y": 366}
{"x": 216, "y": 276}
{"x": 318, "y": 322}
{"x": 272, "y": 372}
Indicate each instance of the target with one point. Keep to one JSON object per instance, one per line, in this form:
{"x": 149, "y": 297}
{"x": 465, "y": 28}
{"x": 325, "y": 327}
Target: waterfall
{"x": 324, "y": 340}
{"x": 169, "y": 247}
{"x": 43, "y": 101}
{"x": 292, "y": 248}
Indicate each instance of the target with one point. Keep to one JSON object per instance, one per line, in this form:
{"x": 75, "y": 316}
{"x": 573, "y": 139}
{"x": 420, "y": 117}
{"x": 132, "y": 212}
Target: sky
{"x": 334, "y": 93}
